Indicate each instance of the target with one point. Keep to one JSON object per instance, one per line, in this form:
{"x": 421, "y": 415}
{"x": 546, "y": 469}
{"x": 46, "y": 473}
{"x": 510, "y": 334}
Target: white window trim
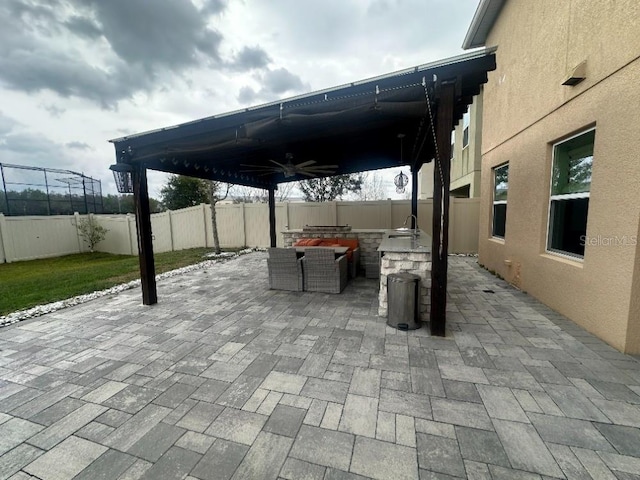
{"x": 497, "y": 202}
{"x": 565, "y": 196}
{"x": 570, "y": 196}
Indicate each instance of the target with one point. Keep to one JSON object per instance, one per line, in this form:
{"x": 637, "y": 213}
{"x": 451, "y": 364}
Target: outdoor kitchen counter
{"x": 420, "y": 244}
{"x": 405, "y": 254}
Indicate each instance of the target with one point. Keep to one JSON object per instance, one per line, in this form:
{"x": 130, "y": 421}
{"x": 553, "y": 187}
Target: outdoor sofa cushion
{"x": 308, "y": 242}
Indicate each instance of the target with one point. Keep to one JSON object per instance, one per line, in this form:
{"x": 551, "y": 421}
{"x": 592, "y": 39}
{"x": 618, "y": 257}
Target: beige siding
{"x": 23, "y": 238}
{"x": 118, "y": 237}
{"x": 365, "y": 214}
{"x": 527, "y": 110}
{"x": 230, "y": 222}
{"x": 463, "y": 225}
{"x": 39, "y": 237}
{"x": 257, "y": 224}
{"x": 188, "y": 228}
{"x": 161, "y": 229}
{"x": 312, "y": 214}
{"x": 3, "y": 229}
{"x": 633, "y": 335}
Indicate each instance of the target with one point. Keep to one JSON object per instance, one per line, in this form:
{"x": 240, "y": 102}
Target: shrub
{"x": 91, "y": 232}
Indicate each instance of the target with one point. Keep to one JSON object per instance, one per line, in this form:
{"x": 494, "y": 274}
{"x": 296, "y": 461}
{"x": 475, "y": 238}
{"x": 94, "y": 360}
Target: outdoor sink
{"x": 403, "y": 232}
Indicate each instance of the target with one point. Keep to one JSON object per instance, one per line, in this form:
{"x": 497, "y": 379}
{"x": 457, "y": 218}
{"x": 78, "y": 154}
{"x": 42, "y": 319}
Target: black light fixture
{"x": 400, "y": 181}
{"x": 122, "y": 174}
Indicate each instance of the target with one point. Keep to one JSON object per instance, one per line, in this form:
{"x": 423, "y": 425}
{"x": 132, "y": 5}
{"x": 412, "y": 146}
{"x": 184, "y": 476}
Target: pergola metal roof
{"x": 354, "y": 126}
{"x": 403, "y": 118}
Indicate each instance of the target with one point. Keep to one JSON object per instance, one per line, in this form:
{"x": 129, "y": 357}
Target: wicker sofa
{"x": 353, "y": 252}
{"x": 285, "y": 270}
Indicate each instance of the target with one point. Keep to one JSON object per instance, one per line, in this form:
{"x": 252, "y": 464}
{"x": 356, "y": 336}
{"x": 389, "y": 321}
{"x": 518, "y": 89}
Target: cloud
{"x": 27, "y": 143}
{"x": 249, "y": 58}
{"x": 32, "y": 149}
{"x": 247, "y": 95}
{"x": 106, "y": 51}
{"x": 54, "y": 110}
{"x": 171, "y": 33}
{"x": 7, "y": 124}
{"x": 84, "y": 27}
{"x": 213, "y": 7}
{"x": 78, "y": 145}
{"x": 69, "y": 76}
{"x": 275, "y": 84}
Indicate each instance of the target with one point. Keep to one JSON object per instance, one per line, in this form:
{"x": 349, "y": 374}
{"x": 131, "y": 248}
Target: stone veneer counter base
{"x": 410, "y": 255}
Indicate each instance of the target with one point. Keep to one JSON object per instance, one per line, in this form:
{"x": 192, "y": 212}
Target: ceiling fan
{"x": 290, "y": 169}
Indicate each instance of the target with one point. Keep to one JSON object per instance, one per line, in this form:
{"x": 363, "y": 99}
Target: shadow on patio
{"x": 227, "y": 379}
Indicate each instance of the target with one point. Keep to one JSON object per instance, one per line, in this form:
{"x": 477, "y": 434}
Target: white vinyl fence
{"x": 239, "y": 225}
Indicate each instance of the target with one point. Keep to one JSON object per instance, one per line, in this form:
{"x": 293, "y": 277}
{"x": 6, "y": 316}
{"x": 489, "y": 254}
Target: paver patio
{"x": 227, "y": 379}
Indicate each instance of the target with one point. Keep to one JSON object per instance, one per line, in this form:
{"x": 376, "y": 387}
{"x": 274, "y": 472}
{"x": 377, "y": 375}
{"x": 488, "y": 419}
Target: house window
{"x": 500, "y": 188}
{"x": 569, "y": 201}
{"x": 453, "y": 142}
{"x": 465, "y": 131}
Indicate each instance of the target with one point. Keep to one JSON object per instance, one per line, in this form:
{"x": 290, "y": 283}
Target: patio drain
{"x": 488, "y": 290}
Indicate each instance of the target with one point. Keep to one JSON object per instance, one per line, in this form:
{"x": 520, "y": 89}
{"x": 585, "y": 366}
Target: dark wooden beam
{"x": 272, "y": 215}
{"x": 440, "y": 242}
{"x": 414, "y": 196}
{"x": 145, "y": 239}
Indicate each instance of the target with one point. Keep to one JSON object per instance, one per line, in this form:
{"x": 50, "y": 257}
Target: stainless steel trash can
{"x": 403, "y": 297}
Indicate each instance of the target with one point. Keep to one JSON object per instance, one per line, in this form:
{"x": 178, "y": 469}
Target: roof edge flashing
{"x": 412, "y": 70}
{"x": 481, "y": 23}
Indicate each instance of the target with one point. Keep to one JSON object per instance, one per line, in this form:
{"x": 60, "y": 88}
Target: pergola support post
{"x": 272, "y": 215}
{"x": 440, "y": 241}
{"x": 415, "y": 170}
{"x": 145, "y": 239}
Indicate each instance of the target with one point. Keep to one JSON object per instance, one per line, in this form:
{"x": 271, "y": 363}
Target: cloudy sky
{"x": 76, "y": 73}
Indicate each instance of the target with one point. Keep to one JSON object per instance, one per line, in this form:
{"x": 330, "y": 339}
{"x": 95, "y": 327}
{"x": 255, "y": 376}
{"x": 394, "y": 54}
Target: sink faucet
{"x": 416, "y": 221}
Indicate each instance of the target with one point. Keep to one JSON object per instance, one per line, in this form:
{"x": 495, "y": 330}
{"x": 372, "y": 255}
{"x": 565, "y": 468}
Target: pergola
{"x": 404, "y": 118}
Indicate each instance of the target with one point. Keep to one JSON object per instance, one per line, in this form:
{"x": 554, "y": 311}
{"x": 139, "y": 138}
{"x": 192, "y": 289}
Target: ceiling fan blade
{"x": 333, "y": 167}
{"x": 308, "y": 174}
{"x": 318, "y": 170}
{"x": 305, "y": 164}
{"x": 256, "y": 166}
{"x": 281, "y": 165}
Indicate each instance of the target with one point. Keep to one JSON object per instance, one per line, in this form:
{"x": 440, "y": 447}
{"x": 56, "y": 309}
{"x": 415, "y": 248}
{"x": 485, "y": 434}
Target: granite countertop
{"x": 409, "y": 244}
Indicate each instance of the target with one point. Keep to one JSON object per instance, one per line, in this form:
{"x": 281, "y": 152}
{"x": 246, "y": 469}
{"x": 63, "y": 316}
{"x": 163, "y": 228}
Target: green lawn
{"x": 35, "y": 282}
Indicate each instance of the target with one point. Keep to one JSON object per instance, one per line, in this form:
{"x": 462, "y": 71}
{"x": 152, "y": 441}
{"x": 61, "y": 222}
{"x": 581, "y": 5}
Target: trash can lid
{"x": 404, "y": 277}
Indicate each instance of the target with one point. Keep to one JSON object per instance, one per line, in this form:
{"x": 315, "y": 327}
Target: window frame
{"x": 495, "y": 202}
{"x": 466, "y": 121}
{"x": 564, "y": 196}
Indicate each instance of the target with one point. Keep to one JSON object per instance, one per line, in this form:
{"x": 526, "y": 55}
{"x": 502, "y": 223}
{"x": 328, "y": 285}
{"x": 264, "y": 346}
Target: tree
{"x": 91, "y": 232}
{"x": 330, "y": 188}
{"x": 244, "y": 194}
{"x": 372, "y": 187}
{"x": 182, "y": 192}
{"x": 124, "y": 204}
{"x": 215, "y": 190}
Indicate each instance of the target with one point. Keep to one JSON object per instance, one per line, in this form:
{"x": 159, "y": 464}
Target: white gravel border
{"x": 38, "y": 310}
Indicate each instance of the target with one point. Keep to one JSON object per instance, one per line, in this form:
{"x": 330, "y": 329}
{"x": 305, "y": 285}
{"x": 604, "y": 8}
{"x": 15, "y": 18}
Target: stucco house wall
{"x": 527, "y": 110}
{"x": 466, "y": 161}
